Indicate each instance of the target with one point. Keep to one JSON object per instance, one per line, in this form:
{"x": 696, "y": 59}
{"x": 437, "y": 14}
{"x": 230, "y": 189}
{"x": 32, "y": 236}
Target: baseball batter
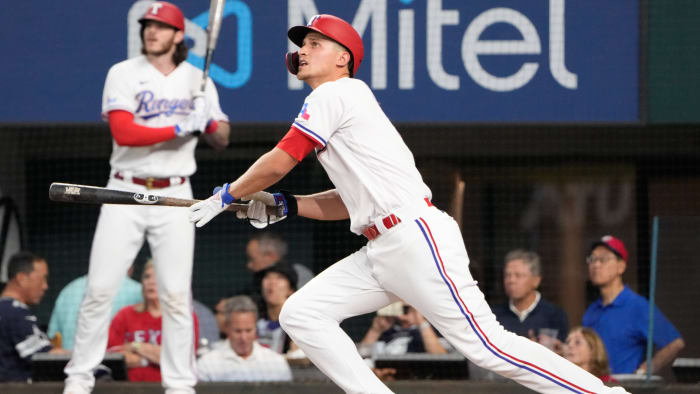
{"x": 155, "y": 112}
{"x": 415, "y": 251}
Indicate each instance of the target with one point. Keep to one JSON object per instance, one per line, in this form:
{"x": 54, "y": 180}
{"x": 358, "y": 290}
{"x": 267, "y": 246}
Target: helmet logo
{"x": 312, "y": 20}
{"x": 155, "y": 7}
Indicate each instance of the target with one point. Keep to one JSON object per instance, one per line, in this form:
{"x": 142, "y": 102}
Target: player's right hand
{"x": 257, "y": 208}
{"x": 204, "y": 211}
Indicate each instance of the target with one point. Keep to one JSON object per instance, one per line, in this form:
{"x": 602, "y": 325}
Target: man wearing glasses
{"x": 621, "y": 317}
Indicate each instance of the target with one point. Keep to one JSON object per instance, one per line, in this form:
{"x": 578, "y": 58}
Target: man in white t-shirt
{"x": 414, "y": 252}
{"x": 155, "y": 112}
{"x": 243, "y": 359}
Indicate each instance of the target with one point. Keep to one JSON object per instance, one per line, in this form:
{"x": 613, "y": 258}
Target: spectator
{"x": 220, "y": 314}
{"x": 20, "y": 338}
{"x": 585, "y": 349}
{"x": 400, "y": 329}
{"x": 278, "y": 283}
{"x": 136, "y": 332}
{"x": 244, "y": 359}
{"x": 266, "y": 249}
{"x": 527, "y": 313}
{"x": 65, "y": 311}
{"x": 621, "y": 317}
{"x": 208, "y": 326}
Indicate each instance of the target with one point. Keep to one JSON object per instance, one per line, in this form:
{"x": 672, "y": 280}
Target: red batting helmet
{"x": 165, "y": 12}
{"x": 334, "y": 28}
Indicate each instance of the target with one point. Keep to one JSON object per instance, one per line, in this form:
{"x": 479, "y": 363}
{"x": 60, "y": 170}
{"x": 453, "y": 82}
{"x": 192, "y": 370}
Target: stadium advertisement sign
{"x": 427, "y": 60}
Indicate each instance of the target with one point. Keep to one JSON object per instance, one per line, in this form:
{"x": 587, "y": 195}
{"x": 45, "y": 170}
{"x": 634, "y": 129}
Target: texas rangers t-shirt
{"x": 156, "y": 100}
{"x": 365, "y": 157}
{"x": 131, "y": 325}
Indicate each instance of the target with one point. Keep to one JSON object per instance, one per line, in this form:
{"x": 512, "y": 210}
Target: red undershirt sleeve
{"x": 297, "y": 144}
{"x": 128, "y": 133}
{"x": 211, "y": 127}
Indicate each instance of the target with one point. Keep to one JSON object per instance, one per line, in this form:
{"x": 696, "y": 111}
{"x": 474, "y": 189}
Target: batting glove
{"x": 256, "y": 213}
{"x": 194, "y": 123}
{"x": 202, "y": 106}
{"x": 204, "y": 211}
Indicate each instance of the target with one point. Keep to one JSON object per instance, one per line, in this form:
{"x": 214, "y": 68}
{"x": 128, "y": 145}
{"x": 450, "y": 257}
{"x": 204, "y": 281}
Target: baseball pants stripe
{"x": 425, "y": 229}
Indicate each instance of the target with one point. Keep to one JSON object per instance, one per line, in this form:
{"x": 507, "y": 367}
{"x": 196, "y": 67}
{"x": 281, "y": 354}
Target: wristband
{"x": 291, "y": 207}
{"x": 226, "y": 197}
{"x": 212, "y": 125}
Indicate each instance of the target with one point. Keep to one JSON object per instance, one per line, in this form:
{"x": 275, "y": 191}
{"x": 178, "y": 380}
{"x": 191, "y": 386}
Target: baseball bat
{"x": 69, "y": 192}
{"x": 216, "y": 12}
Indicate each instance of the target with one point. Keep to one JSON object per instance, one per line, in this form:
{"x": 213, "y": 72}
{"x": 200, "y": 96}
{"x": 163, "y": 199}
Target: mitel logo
{"x": 439, "y": 20}
{"x": 195, "y": 29}
{"x": 371, "y": 21}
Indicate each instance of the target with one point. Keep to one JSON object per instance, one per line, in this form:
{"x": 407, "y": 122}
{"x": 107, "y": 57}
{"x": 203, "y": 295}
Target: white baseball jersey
{"x": 421, "y": 260}
{"x": 367, "y": 161}
{"x": 156, "y": 100}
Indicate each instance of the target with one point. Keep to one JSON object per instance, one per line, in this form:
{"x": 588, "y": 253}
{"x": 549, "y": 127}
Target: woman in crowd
{"x": 136, "y": 330}
{"x": 278, "y": 283}
{"x": 585, "y": 349}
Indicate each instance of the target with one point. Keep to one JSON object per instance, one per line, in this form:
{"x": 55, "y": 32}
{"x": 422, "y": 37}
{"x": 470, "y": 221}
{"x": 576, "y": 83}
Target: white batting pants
{"x": 422, "y": 261}
{"x": 120, "y": 232}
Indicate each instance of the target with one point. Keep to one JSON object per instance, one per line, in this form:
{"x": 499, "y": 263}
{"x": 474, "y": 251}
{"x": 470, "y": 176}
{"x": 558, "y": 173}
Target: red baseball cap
{"x": 165, "y": 12}
{"x": 614, "y": 244}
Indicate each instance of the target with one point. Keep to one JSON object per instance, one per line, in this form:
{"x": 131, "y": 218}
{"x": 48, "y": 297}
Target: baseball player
{"x": 154, "y": 112}
{"x": 414, "y": 252}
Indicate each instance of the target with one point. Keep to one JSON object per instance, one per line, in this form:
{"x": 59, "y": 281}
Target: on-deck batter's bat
{"x": 216, "y": 12}
{"x": 68, "y": 192}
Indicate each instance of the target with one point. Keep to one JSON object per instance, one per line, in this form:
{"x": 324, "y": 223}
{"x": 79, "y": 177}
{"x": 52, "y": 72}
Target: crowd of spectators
{"x": 244, "y": 340}
{"x": 240, "y": 341}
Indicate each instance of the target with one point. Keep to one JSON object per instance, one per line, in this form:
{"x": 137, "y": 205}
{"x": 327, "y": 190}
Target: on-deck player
{"x": 415, "y": 251}
{"x": 154, "y": 109}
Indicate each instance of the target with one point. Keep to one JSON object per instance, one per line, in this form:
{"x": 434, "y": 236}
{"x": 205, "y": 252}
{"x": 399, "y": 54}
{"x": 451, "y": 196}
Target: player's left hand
{"x": 257, "y": 208}
{"x": 204, "y": 211}
{"x": 193, "y": 124}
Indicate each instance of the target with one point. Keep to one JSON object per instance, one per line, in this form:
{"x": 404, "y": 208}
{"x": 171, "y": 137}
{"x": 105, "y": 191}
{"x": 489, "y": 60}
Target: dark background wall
{"x": 549, "y": 188}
